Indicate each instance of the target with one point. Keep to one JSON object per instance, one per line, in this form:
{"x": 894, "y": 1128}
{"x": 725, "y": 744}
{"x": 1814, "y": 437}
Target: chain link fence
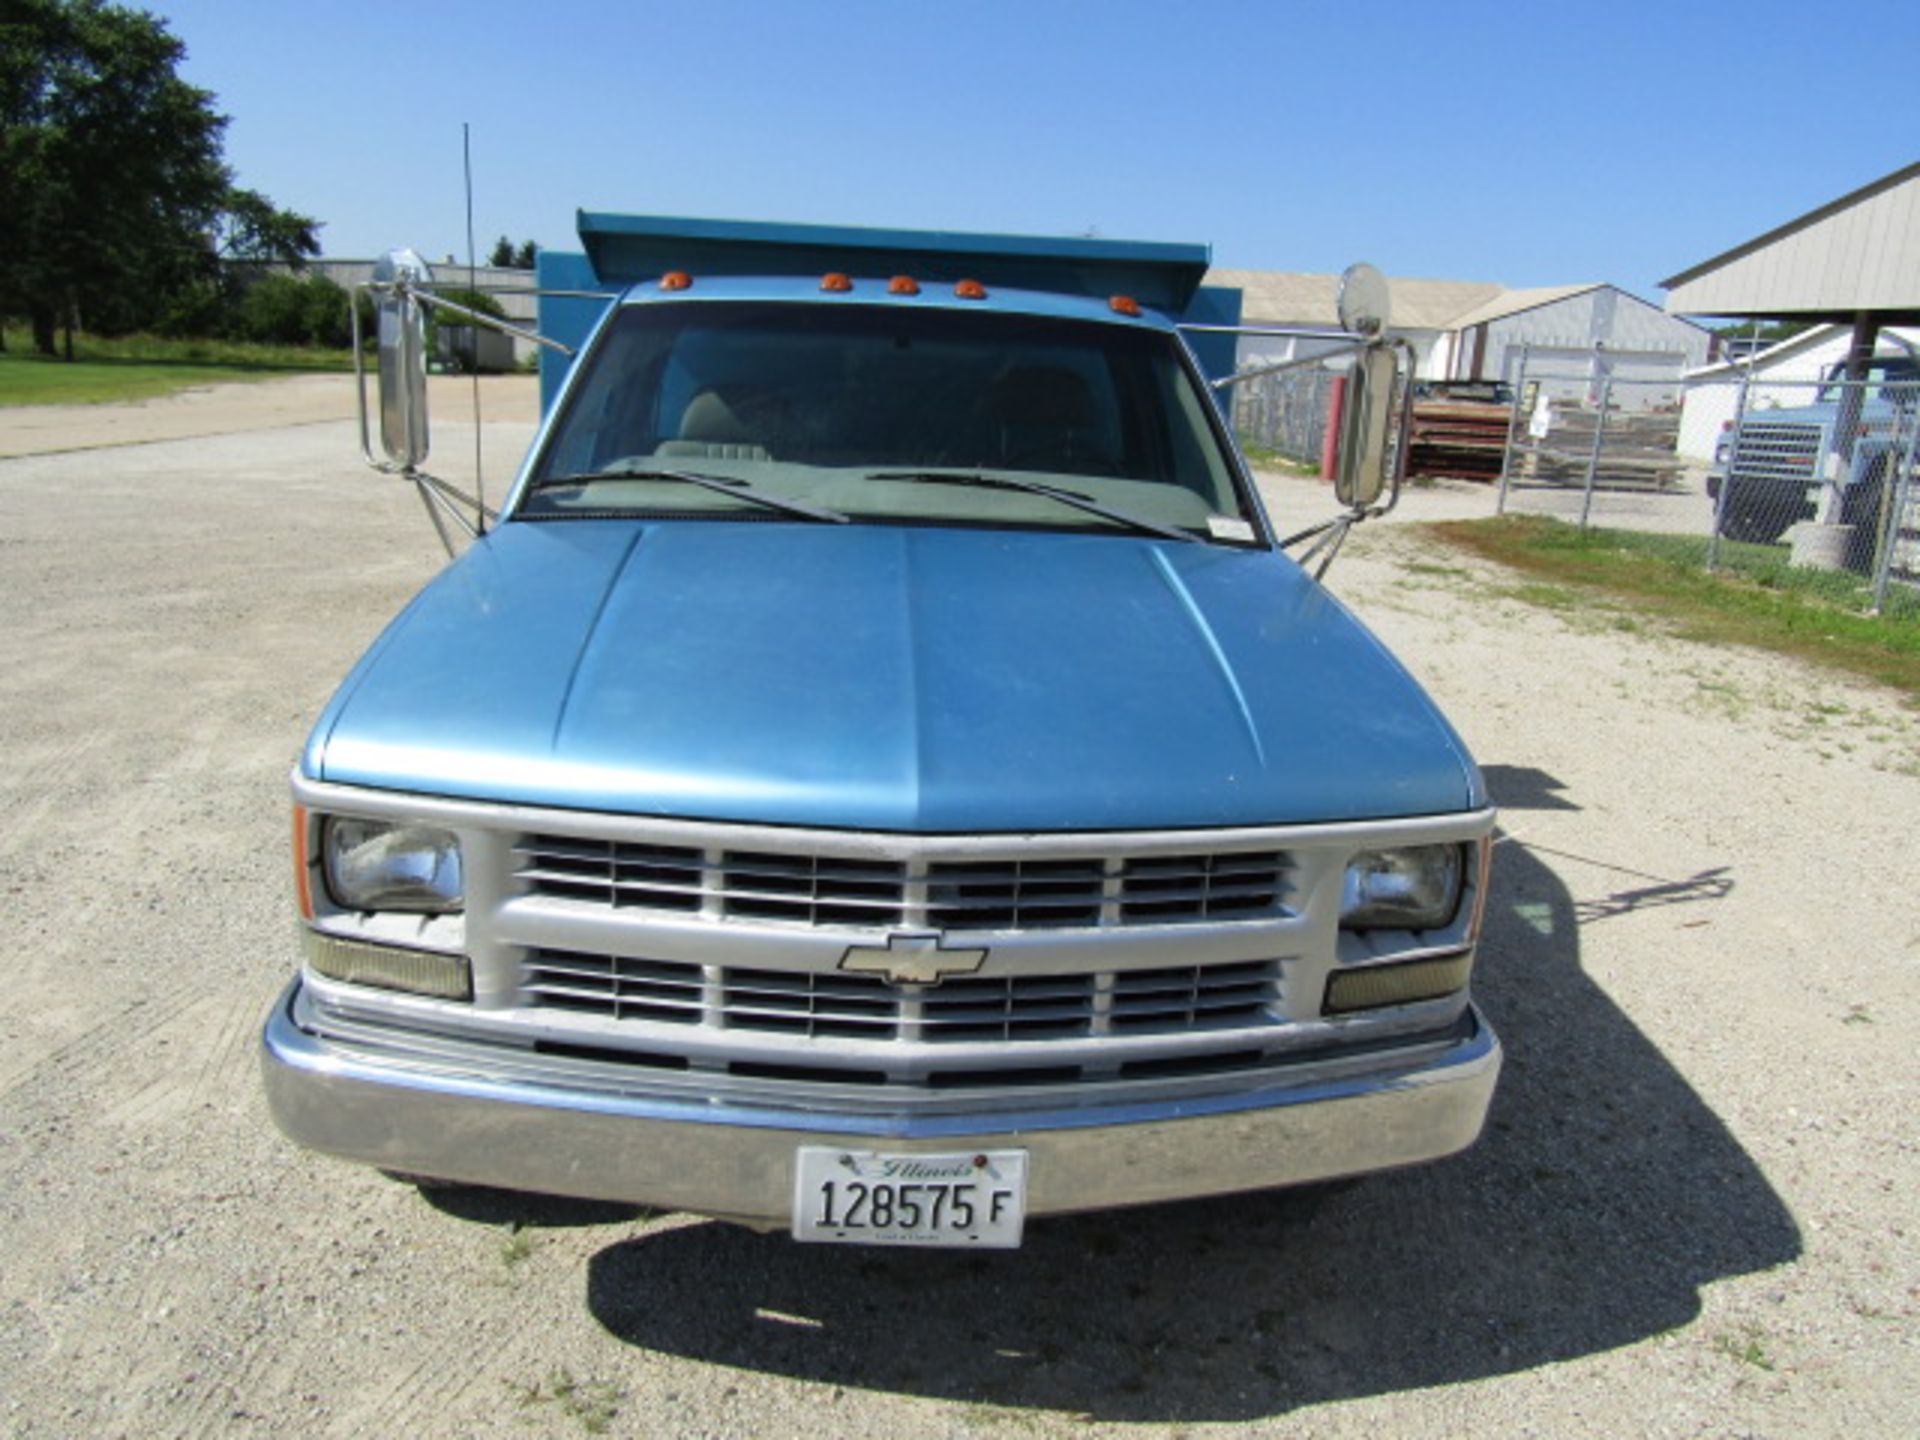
{"x": 1287, "y": 412}
{"x": 1836, "y": 453}
{"x": 1757, "y": 473}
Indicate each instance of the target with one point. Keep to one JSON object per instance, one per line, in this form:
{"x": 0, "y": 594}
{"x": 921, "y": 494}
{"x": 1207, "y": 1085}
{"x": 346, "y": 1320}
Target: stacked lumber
{"x": 1458, "y": 439}
{"x": 1636, "y": 453}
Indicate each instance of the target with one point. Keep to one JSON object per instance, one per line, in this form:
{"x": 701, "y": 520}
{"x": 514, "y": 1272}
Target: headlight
{"x": 380, "y": 865}
{"x": 1415, "y": 887}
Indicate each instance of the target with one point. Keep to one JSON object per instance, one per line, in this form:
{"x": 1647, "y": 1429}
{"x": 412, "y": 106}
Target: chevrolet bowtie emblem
{"x": 911, "y": 960}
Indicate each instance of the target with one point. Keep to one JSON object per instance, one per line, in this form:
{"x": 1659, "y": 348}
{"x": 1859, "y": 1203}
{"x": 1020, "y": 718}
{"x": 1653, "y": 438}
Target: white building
{"x": 1783, "y": 374}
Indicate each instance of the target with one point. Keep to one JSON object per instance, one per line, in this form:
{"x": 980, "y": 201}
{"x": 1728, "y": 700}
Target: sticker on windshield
{"x": 1226, "y": 527}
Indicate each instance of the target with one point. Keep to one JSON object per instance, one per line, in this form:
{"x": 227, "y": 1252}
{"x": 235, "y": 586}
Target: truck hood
{"x": 889, "y": 678}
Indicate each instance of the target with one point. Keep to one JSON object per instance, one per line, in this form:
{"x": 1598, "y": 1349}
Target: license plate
{"x": 971, "y": 1198}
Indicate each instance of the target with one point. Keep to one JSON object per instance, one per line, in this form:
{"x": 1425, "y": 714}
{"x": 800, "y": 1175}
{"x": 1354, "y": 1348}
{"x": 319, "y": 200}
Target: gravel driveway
{"x": 1693, "y": 1212}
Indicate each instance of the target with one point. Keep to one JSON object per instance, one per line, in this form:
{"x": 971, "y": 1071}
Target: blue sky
{"x": 1532, "y": 145}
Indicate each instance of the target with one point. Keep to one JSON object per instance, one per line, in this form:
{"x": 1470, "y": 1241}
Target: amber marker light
{"x": 676, "y": 280}
{"x": 836, "y": 283}
{"x": 1124, "y": 305}
{"x": 1483, "y": 878}
{"x": 302, "y": 866}
{"x": 970, "y": 290}
{"x": 903, "y": 285}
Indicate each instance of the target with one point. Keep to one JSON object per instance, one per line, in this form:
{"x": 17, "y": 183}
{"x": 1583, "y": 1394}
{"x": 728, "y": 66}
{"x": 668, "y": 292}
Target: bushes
{"x": 293, "y": 310}
{"x": 274, "y": 309}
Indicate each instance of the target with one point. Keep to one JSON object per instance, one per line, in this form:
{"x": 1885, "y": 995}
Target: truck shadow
{"x": 1603, "y": 1196}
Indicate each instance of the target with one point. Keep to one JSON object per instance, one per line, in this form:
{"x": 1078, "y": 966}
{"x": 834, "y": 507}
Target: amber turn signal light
{"x": 302, "y": 863}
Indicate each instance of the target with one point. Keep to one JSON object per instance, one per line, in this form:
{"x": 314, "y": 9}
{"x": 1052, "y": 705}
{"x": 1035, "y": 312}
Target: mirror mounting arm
{"x": 1351, "y": 345}
{"x": 494, "y": 322}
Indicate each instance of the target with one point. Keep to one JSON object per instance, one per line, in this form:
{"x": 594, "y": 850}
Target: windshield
{"x": 1889, "y": 377}
{"x": 872, "y": 412}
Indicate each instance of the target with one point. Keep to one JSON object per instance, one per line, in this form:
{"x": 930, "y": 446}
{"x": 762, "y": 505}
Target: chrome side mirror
{"x": 1364, "y": 302}
{"x": 1364, "y": 427}
{"x": 401, "y": 332}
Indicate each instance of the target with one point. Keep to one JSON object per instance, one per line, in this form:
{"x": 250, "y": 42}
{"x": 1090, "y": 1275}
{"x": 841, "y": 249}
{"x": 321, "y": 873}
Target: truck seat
{"x": 711, "y": 428}
{"x": 1043, "y": 419}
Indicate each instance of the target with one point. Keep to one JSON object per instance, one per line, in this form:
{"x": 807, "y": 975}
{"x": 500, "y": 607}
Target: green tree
{"x": 115, "y": 205}
{"x": 510, "y": 256}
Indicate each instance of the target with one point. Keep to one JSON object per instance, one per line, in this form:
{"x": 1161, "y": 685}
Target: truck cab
{"x": 881, "y": 777}
{"x": 1771, "y": 467}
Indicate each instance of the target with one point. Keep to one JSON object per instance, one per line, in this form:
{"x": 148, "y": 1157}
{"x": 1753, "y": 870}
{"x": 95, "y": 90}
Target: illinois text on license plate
{"x": 972, "y": 1198}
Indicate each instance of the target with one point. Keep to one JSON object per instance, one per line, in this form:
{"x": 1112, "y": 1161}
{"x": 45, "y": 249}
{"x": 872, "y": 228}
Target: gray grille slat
{"x": 612, "y": 989}
{"x": 993, "y": 992}
{"x": 809, "y": 1005}
{"x": 1190, "y": 1006}
{"x": 621, "y": 1001}
{"x": 810, "y": 891}
{"x": 761, "y": 982}
{"x": 820, "y": 899}
{"x": 985, "y": 1015}
{"x": 582, "y": 971}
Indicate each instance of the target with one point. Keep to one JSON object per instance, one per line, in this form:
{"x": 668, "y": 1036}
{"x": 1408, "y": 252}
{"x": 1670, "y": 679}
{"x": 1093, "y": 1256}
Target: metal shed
{"x": 1854, "y": 261}
{"x": 1852, "y": 257}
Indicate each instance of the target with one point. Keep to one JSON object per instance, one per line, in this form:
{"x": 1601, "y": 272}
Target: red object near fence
{"x": 1330, "y": 442}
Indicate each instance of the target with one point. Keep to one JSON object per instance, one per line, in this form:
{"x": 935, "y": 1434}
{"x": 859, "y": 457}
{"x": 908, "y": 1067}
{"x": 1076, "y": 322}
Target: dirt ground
{"x": 209, "y": 410}
{"x": 1692, "y": 1213}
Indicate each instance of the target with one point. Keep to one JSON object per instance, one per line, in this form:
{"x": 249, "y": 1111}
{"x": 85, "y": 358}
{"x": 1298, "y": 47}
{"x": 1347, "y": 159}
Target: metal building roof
{"x": 1515, "y": 302}
{"x": 1858, "y": 253}
{"x": 1282, "y": 297}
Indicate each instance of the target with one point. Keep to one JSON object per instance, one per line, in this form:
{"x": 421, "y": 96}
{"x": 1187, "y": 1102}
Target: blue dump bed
{"x": 624, "y": 250}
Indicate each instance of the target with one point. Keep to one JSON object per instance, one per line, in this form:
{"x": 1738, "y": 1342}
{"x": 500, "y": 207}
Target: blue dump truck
{"x": 879, "y": 776}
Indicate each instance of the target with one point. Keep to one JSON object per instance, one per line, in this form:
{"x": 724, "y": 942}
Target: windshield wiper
{"x": 983, "y": 481}
{"x": 720, "y": 484}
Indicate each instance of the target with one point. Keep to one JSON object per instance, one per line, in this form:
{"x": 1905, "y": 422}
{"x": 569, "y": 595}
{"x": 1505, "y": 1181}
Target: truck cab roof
{"x": 879, "y": 290}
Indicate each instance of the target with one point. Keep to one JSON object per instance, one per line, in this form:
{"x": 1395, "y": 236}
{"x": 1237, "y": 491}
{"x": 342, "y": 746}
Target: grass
{"x": 1758, "y": 601}
{"x": 516, "y": 1247}
{"x": 140, "y": 367}
{"x": 1745, "y": 1348}
{"x": 1263, "y": 457}
{"x": 592, "y": 1403}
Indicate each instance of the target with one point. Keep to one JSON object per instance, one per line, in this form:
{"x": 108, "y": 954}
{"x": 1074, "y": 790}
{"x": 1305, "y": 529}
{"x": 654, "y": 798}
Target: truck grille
{"x": 1168, "y": 1000}
{"x": 1777, "y": 450}
{"x": 1002, "y": 893}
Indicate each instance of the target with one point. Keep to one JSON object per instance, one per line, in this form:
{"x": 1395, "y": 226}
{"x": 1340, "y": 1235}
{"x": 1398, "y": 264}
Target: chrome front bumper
{"x": 458, "y": 1117}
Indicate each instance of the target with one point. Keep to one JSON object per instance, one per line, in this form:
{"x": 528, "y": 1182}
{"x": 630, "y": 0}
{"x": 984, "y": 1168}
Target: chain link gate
{"x": 1596, "y": 444}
